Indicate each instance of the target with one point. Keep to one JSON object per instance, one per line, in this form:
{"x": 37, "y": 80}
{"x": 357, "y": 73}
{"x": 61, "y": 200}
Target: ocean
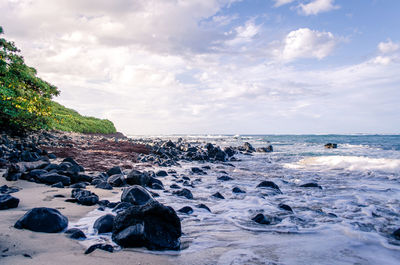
{"x": 349, "y": 220}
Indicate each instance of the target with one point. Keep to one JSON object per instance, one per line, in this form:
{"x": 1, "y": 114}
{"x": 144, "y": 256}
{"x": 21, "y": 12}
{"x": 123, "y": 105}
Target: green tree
{"x": 25, "y": 99}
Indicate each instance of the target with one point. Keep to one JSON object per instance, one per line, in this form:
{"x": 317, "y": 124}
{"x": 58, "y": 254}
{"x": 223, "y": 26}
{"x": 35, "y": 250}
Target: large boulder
{"x": 153, "y": 225}
{"x": 104, "y": 224}
{"x": 136, "y": 195}
{"x": 43, "y": 219}
{"x": 8, "y": 202}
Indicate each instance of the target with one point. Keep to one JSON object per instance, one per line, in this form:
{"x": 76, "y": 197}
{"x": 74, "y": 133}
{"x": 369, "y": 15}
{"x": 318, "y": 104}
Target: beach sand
{"x": 27, "y": 247}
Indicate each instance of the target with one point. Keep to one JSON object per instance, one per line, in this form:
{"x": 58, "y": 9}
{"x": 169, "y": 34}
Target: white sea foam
{"x": 346, "y": 163}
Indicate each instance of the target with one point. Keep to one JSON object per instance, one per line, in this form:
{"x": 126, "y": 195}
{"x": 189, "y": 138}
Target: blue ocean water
{"x": 348, "y": 221}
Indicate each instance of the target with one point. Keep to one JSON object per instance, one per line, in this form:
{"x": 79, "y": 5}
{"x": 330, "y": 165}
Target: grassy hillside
{"x": 71, "y": 121}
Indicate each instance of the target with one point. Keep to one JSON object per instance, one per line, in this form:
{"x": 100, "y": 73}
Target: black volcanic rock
{"x": 268, "y": 184}
{"x": 224, "y": 178}
{"x": 75, "y": 233}
{"x": 237, "y": 190}
{"x": 218, "y": 195}
{"x": 186, "y": 210}
{"x": 7, "y": 202}
{"x": 104, "y": 224}
{"x": 184, "y": 193}
{"x": 136, "y": 195}
{"x": 43, "y": 219}
{"x": 285, "y": 207}
{"x": 104, "y": 247}
{"x": 153, "y": 225}
{"x": 85, "y": 197}
{"x": 311, "y": 185}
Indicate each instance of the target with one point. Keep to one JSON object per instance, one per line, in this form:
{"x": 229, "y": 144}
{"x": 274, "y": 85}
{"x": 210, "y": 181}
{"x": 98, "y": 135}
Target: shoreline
{"x": 27, "y": 247}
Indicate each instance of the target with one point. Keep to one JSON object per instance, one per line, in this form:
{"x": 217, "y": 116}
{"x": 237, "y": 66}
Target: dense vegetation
{"x": 25, "y": 99}
{"x": 69, "y": 120}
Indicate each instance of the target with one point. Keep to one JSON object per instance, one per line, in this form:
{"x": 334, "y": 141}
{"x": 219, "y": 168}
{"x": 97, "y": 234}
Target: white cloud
{"x": 306, "y": 43}
{"x": 317, "y": 6}
{"x": 279, "y": 3}
{"x": 244, "y": 34}
{"x": 388, "y": 47}
{"x": 156, "y": 67}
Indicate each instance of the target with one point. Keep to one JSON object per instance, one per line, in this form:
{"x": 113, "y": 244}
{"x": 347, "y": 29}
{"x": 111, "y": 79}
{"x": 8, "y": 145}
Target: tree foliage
{"x": 25, "y": 99}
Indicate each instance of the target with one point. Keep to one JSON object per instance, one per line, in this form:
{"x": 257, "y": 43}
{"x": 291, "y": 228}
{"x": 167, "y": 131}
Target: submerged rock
{"x": 311, "y": 185}
{"x": 184, "y": 193}
{"x": 203, "y": 206}
{"x": 261, "y": 219}
{"x": 153, "y": 225}
{"x": 43, "y": 219}
{"x": 224, "y": 178}
{"x": 285, "y": 207}
{"x": 218, "y": 195}
{"x": 186, "y": 209}
{"x": 237, "y": 190}
{"x": 269, "y": 184}
{"x": 396, "y": 234}
{"x": 330, "y": 145}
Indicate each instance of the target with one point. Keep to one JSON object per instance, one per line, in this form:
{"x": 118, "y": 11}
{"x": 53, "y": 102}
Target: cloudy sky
{"x": 218, "y": 66}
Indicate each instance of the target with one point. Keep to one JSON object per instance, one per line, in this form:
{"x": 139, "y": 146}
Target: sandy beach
{"x": 27, "y": 247}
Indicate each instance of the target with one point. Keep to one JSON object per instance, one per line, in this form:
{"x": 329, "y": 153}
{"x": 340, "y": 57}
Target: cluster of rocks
{"x": 139, "y": 221}
{"x": 168, "y": 153}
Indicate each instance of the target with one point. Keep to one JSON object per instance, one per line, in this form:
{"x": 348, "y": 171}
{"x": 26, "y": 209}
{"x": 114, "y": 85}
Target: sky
{"x": 218, "y": 66}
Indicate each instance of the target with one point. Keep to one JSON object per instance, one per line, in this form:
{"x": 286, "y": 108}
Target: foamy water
{"x": 348, "y": 221}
